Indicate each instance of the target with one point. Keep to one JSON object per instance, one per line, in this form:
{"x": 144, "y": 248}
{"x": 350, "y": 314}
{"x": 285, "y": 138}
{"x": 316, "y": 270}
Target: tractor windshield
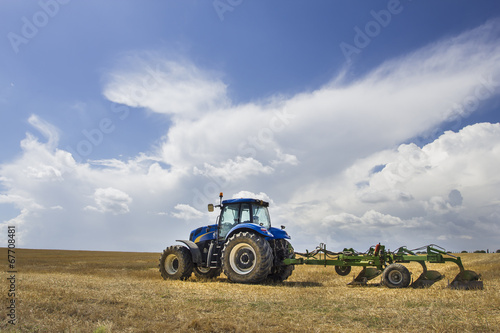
{"x": 261, "y": 216}
{"x": 233, "y": 214}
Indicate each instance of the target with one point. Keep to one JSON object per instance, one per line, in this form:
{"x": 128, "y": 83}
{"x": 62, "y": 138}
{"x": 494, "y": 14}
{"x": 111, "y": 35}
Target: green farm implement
{"x": 377, "y": 261}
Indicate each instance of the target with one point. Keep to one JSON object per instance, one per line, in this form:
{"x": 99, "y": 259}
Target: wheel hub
{"x": 171, "y": 264}
{"x": 245, "y": 259}
{"x": 242, "y": 259}
{"x": 395, "y": 277}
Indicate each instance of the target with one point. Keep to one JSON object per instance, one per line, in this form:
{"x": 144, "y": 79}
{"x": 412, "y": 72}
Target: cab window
{"x": 228, "y": 219}
{"x": 245, "y": 213}
{"x": 261, "y": 216}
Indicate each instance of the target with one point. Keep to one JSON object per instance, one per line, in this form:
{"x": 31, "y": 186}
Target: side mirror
{"x": 210, "y": 207}
{"x": 282, "y": 227}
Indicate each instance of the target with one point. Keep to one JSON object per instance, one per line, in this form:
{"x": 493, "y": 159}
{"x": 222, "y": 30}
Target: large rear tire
{"x": 282, "y": 250}
{"x": 396, "y": 276}
{"x": 247, "y": 258}
{"x": 206, "y": 273}
{"x": 176, "y": 263}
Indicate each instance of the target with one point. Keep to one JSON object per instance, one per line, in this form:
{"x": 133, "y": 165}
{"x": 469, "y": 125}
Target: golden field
{"x": 83, "y": 291}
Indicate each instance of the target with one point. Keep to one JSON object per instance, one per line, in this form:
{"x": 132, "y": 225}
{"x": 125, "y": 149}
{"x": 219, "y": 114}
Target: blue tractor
{"x": 241, "y": 243}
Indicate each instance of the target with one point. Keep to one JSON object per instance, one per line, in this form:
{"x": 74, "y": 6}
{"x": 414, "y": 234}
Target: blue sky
{"x": 357, "y": 120}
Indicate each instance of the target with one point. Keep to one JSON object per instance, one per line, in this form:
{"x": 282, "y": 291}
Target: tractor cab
{"x": 240, "y": 211}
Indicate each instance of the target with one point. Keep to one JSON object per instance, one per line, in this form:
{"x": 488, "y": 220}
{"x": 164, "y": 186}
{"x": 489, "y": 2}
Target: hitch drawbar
{"x": 377, "y": 261}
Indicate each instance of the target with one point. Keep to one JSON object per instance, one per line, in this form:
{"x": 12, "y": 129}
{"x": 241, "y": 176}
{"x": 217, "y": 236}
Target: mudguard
{"x": 250, "y": 227}
{"x": 279, "y": 233}
{"x": 194, "y": 249}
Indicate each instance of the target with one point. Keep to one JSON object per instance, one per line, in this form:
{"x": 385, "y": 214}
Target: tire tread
{"x": 185, "y": 263}
{"x": 263, "y": 253}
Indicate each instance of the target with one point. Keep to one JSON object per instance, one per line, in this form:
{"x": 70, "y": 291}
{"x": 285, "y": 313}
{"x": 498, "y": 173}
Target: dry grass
{"x": 73, "y": 291}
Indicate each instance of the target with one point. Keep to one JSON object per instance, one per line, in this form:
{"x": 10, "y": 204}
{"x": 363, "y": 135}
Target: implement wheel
{"x": 396, "y": 276}
{"x": 247, "y": 258}
{"x": 176, "y": 263}
{"x": 343, "y": 270}
{"x": 206, "y": 273}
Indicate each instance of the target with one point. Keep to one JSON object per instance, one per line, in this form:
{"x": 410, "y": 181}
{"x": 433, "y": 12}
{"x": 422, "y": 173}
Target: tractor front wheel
{"x": 176, "y": 263}
{"x": 396, "y": 276}
{"x": 247, "y": 258}
{"x": 206, "y": 273}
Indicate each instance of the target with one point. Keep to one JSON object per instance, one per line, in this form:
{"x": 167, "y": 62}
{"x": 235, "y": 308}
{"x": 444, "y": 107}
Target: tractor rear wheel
{"x": 206, "y": 273}
{"x": 176, "y": 263}
{"x": 282, "y": 250}
{"x": 247, "y": 258}
{"x": 396, "y": 276}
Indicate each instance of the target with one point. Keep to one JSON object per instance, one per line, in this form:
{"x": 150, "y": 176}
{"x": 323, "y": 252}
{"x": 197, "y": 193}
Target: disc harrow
{"x": 378, "y": 261}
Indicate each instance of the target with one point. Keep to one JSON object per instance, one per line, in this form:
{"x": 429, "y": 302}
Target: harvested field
{"x": 83, "y": 291}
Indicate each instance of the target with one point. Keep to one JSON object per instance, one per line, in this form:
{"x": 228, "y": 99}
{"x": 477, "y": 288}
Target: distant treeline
{"x": 477, "y": 251}
{"x": 482, "y": 251}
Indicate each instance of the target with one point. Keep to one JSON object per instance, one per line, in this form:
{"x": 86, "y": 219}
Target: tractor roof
{"x": 246, "y": 200}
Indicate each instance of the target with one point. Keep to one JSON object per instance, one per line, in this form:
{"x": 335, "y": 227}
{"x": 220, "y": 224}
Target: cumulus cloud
{"x": 164, "y": 86}
{"x": 248, "y": 194}
{"x": 186, "y": 212}
{"x": 282, "y": 158}
{"x": 330, "y": 160}
{"x": 447, "y": 185}
{"x": 234, "y": 170}
{"x": 110, "y": 200}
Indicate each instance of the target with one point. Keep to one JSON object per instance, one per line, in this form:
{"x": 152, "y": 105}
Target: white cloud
{"x": 370, "y": 219}
{"x": 46, "y": 172}
{"x": 165, "y": 86}
{"x": 111, "y": 200}
{"x": 234, "y": 170}
{"x": 282, "y": 158}
{"x": 248, "y": 194}
{"x": 449, "y": 183}
{"x": 48, "y": 130}
{"x": 186, "y": 212}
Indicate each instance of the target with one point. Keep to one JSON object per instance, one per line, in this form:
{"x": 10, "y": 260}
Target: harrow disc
{"x": 366, "y": 274}
{"x": 427, "y": 279}
{"x": 467, "y": 280}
